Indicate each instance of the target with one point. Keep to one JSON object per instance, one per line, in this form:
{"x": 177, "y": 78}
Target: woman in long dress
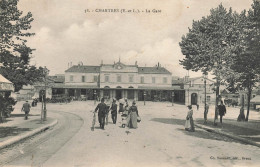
{"x": 189, "y": 124}
{"x": 133, "y": 113}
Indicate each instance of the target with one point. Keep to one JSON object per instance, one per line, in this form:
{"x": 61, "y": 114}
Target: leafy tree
{"x": 211, "y": 44}
{"x": 247, "y": 62}
{"x": 14, "y": 53}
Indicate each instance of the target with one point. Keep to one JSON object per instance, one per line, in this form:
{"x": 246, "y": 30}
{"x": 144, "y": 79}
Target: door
{"x": 118, "y": 94}
{"x": 193, "y": 98}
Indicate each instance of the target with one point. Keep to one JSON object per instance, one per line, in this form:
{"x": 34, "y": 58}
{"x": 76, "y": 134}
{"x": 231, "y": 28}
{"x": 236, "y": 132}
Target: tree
{"x": 211, "y": 44}
{"x": 247, "y": 62}
{"x": 14, "y": 53}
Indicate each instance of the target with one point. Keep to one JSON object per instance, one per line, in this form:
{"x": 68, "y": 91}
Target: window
{"x": 164, "y": 79}
{"x": 119, "y": 78}
{"x": 106, "y": 78}
{"x": 71, "y": 78}
{"x": 95, "y": 78}
{"x": 82, "y": 78}
{"x": 142, "y": 79}
{"x": 131, "y": 79}
{"x": 208, "y": 99}
{"x": 153, "y": 79}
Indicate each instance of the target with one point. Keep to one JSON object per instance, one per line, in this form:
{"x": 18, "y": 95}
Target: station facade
{"x": 118, "y": 81}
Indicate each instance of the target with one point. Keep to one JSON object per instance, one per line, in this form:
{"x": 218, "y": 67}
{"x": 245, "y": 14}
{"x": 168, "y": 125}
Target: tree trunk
{"x": 216, "y": 105}
{"x": 248, "y": 102}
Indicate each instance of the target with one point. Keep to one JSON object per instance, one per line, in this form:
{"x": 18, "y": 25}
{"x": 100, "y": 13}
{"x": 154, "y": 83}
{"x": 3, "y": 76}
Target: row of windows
{"x": 130, "y": 79}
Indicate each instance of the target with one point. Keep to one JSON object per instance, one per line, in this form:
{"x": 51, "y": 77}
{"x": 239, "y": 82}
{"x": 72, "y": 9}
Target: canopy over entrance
{"x": 5, "y": 84}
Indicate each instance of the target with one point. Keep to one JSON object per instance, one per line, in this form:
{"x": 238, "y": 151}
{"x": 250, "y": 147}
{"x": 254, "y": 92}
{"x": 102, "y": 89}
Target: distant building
{"x": 116, "y": 80}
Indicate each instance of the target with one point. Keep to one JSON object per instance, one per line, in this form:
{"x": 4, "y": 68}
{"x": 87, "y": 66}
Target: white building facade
{"x": 118, "y": 81}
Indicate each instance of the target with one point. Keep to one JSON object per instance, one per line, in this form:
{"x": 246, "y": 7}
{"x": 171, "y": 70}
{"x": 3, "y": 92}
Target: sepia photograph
{"x": 131, "y": 83}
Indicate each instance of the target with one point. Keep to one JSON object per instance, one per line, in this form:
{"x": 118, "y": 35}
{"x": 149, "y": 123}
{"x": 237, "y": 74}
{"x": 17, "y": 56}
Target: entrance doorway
{"x": 118, "y": 94}
{"x": 194, "y": 99}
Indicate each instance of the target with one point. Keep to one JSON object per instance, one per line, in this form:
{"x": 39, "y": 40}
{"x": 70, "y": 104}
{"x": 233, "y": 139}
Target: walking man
{"x": 221, "y": 110}
{"x": 26, "y": 108}
{"x": 113, "y": 109}
{"x": 102, "y": 108}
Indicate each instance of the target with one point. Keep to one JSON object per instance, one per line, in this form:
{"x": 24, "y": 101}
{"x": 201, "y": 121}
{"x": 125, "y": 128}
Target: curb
{"x": 229, "y": 135}
{"x": 26, "y": 135}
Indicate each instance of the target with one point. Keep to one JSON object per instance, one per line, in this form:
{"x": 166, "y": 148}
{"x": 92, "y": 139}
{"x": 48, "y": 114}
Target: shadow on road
{"x": 11, "y": 131}
{"x": 199, "y": 133}
{"x": 22, "y": 115}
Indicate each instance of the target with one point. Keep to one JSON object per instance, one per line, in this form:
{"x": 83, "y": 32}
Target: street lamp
{"x": 46, "y": 71}
{"x": 144, "y": 96}
{"x": 95, "y": 96}
{"x": 172, "y": 97}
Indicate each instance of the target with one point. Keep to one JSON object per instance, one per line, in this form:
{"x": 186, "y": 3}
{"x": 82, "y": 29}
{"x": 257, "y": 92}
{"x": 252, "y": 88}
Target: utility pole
{"x": 46, "y": 71}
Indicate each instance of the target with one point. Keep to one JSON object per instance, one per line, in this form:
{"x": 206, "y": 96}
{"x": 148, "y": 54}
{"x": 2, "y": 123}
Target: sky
{"x": 66, "y": 33}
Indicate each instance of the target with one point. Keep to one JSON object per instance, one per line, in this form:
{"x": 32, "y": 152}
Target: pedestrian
{"x": 26, "y": 108}
{"x": 241, "y": 116}
{"x": 107, "y": 109}
{"x": 206, "y": 113}
{"x": 113, "y": 109}
{"x": 221, "y": 110}
{"x": 189, "y": 123}
{"x": 133, "y": 114}
{"x": 101, "y": 107}
{"x": 121, "y": 106}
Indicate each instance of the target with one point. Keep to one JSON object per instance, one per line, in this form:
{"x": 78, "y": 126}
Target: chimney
{"x": 136, "y": 63}
{"x": 101, "y": 62}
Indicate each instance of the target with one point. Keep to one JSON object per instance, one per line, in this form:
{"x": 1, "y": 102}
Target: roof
{"x": 192, "y": 79}
{"x": 256, "y": 99}
{"x": 5, "y": 84}
{"x": 177, "y": 81}
{"x": 153, "y": 70}
{"x": 57, "y": 79}
{"x": 84, "y": 69}
{"x": 3, "y": 79}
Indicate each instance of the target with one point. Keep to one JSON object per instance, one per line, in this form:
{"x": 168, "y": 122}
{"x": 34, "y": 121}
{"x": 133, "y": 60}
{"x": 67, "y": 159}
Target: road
{"x": 160, "y": 140}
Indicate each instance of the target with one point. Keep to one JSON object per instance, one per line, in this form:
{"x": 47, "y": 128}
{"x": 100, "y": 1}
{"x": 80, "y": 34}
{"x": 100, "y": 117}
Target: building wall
{"x": 77, "y": 78}
{"x": 198, "y": 87}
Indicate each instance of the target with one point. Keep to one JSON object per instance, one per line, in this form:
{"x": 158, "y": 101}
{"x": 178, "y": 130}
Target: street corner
{"x": 13, "y": 134}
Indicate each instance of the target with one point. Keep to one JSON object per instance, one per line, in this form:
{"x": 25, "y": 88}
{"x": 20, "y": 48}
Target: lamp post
{"x": 172, "y": 97}
{"x": 144, "y": 96}
{"x": 95, "y": 97}
{"x": 205, "y": 86}
{"x": 46, "y": 71}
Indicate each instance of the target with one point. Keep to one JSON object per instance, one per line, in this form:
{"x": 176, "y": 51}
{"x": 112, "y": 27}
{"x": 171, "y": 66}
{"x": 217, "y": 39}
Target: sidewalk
{"x": 246, "y": 132}
{"x": 16, "y": 128}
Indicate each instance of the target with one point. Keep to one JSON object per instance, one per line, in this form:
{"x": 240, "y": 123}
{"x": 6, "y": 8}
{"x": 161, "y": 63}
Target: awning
{"x": 5, "y": 84}
{"x": 155, "y": 88}
{"x": 256, "y": 99}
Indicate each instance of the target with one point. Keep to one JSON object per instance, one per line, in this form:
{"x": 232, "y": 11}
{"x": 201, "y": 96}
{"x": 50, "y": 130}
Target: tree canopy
{"x": 14, "y": 53}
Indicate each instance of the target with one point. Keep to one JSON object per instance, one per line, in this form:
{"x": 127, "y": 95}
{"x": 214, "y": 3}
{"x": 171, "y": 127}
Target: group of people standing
{"x": 130, "y": 112}
{"x": 189, "y": 123}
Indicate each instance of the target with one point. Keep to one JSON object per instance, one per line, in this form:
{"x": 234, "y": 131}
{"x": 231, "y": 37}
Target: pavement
{"x": 16, "y": 128}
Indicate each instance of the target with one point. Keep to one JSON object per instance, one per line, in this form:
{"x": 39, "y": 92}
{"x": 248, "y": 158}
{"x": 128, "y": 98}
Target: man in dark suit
{"x": 26, "y": 108}
{"x": 102, "y": 108}
{"x": 113, "y": 109}
{"x": 221, "y": 110}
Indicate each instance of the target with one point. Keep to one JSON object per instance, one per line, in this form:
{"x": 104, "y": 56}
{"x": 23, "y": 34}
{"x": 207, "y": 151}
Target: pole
{"x": 205, "y": 84}
{"x": 44, "y": 107}
{"x": 42, "y": 110}
{"x": 172, "y": 98}
{"x": 144, "y": 96}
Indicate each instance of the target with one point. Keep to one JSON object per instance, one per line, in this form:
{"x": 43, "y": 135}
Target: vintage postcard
{"x": 133, "y": 83}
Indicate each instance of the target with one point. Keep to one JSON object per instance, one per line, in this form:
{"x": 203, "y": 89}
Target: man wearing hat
{"x": 102, "y": 108}
{"x": 113, "y": 109}
{"x": 26, "y": 108}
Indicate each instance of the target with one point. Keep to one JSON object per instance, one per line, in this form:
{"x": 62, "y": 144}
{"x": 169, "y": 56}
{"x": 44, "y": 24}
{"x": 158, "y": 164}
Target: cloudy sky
{"x": 66, "y": 33}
